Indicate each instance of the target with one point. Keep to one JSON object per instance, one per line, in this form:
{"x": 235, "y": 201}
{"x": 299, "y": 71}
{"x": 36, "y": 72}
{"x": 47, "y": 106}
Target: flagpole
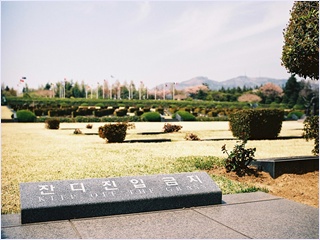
{"x": 129, "y": 90}
{"x": 52, "y": 86}
{"x": 110, "y": 91}
{"x": 140, "y": 90}
{"x": 173, "y": 90}
{"x": 111, "y": 87}
{"x": 104, "y": 82}
{"x": 64, "y": 88}
{"x": 164, "y": 91}
{"x": 97, "y": 90}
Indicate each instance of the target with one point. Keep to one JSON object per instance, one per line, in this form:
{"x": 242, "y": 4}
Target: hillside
{"x": 240, "y": 81}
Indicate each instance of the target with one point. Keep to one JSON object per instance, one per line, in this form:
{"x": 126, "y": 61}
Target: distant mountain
{"x": 240, "y": 81}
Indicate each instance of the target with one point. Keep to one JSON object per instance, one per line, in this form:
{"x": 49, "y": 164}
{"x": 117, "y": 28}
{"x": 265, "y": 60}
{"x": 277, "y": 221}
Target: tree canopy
{"x": 300, "y": 53}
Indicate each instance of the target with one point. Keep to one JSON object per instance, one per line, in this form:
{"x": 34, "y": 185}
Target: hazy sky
{"x": 151, "y": 41}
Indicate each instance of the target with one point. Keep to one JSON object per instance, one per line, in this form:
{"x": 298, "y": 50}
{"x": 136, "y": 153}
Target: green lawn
{"x": 31, "y": 153}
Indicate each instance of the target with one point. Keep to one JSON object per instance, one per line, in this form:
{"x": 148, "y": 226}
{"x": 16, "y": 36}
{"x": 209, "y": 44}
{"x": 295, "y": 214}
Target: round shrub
{"x": 100, "y": 105}
{"x": 295, "y": 115}
{"x": 186, "y": 116}
{"x": 256, "y": 124}
{"x": 26, "y": 116}
{"x": 151, "y": 117}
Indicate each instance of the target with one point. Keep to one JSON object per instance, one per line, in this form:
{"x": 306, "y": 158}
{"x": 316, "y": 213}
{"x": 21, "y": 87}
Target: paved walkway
{"x": 245, "y": 215}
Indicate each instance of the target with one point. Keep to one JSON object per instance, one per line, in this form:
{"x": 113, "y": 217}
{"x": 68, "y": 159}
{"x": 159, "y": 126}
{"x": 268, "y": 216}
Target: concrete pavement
{"x": 245, "y": 215}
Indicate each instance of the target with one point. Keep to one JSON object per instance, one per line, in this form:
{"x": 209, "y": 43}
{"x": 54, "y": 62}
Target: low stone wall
{"x": 278, "y": 166}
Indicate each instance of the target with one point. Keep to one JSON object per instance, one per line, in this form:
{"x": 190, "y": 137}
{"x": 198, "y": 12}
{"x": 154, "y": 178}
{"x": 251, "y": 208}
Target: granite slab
{"x": 69, "y": 199}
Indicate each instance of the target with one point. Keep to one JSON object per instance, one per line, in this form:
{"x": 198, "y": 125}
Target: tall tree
{"x": 291, "y": 91}
{"x": 76, "y": 92}
{"x": 47, "y": 86}
{"x": 300, "y": 53}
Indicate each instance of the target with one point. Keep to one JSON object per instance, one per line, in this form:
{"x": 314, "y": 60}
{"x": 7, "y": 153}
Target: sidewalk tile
{"x": 50, "y": 230}
{"x": 10, "y": 220}
{"x": 247, "y": 197}
{"x": 165, "y": 224}
{"x": 268, "y": 219}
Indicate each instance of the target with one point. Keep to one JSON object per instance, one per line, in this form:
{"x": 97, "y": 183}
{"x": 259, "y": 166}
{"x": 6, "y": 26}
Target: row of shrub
{"x": 195, "y": 113}
{"x": 20, "y": 103}
{"x": 245, "y": 125}
{"x": 99, "y": 116}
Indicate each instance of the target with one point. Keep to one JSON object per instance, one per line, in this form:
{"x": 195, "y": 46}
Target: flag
{"x": 21, "y": 80}
{"x": 24, "y": 78}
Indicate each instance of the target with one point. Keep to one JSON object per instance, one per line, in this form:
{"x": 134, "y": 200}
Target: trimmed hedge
{"x": 311, "y": 131}
{"x": 151, "y": 117}
{"x": 114, "y": 133}
{"x": 256, "y": 124}
{"x": 26, "y": 116}
{"x": 52, "y": 123}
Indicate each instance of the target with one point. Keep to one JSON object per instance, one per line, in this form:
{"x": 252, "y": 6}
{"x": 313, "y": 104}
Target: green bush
{"x": 311, "y": 131}
{"x": 100, "y": 105}
{"x": 256, "y": 124}
{"x": 239, "y": 159}
{"x": 295, "y": 115}
{"x": 186, "y": 116}
{"x": 299, "y": 107}
{"x": 26, "y": 116}
{"x": 151, "y": 117}
{"x": 52, "y": 123}
{"x": 114, "y": 132}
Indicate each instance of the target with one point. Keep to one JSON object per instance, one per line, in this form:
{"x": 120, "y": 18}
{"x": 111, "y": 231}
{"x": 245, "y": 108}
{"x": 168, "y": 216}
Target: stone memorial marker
{"x": 61, "y": 200}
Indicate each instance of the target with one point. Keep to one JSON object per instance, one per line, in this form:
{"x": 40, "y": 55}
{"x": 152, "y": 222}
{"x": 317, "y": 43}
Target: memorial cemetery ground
{"x": 32, "y": 153}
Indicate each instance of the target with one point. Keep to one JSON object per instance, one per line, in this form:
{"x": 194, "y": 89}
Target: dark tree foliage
{"x": 291, "y": 91}
{"x": 300, "y": 53}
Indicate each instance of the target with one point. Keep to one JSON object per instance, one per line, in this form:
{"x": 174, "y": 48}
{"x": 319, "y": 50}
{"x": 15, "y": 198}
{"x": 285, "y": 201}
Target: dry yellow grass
{"x": 32, "y": 153}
